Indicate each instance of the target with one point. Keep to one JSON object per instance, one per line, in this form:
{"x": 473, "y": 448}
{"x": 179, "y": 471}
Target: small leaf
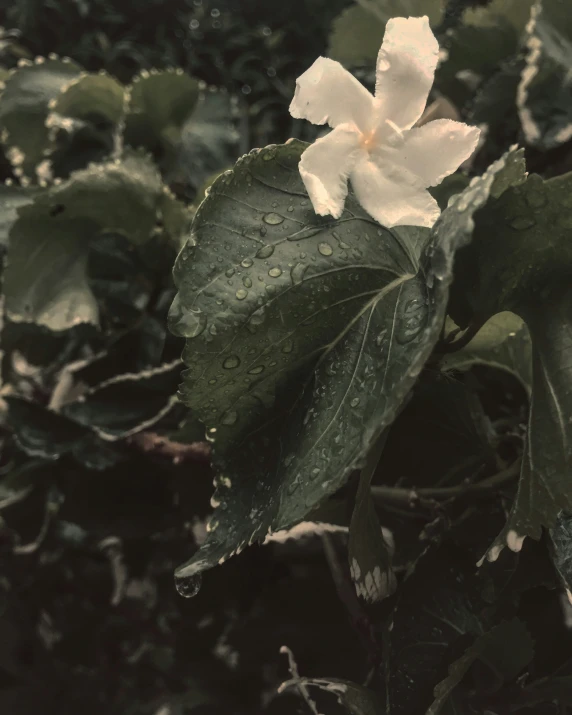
{"x": 545, "y": 91}
{"x": 357, "y": 32}
{"x": 24, "y": 107}
{"x": 507, "y": 649}
{"x": 504, "y": 343}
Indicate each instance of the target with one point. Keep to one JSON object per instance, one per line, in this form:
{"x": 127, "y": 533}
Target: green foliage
{"x": 377, "y": 407}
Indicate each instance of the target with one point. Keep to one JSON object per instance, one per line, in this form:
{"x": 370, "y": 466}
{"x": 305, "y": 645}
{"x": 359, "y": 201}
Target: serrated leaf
{"x": 357, "y": 32}
{"x": 368, "y": 553}
{"x": 208, "y": 141}
{"x": 45, "y": 279}
{"x": 544, "y": 97}
{"x": 504, "y": 343}
{"x": 127, "y": 404}
{"x": 507, "y": 649}
{"x": 518, "y": 261}
{"x": 24, "y": 107}
{"x": 159, "y": 105}
{"x": 355, "y": 699}
{"x": 304, "y": 336}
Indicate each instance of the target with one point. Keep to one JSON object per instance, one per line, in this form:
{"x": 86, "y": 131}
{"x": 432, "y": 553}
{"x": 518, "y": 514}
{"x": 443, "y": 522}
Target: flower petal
{"x": 433, "y": 151}
{"x": 392, "y": 203}
{"x": 405, "y": 70}
{"x": 329, "y": 93}
{"x": 325, "y": 167}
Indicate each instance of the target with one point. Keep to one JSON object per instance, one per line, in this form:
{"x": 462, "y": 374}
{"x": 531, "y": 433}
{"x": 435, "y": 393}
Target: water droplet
{"x": 247, "y": 262}
{"x": 230, "y": 273}
{"x": 293, "y": 487}
{"x": 241, "y": 294}
{"x": 231, "y": 362}
{"x": 247, "y": 282}
{"x": 275, "y": 272}
{"x": 229, "y": 418}
{"x": 256, "y": 370}
{"x": 411, "y": 321}
{"x": 265, "y": 252}
{"x": 521, "y": 223}
{"x": 290, "y": 209}
{"x": 380, "y": 338}
{"x": 188, "y": 586}
{"x": 287, "y": 347}
{"x": 186, "y": 322}
{"x": 297, "y": 273}
{"x": 355, "y": 402}
{"x": 273, "y": 218}
{"x": 325, "y": 249}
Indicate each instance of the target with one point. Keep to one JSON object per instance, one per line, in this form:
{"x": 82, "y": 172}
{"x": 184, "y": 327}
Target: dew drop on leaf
{"x": 231, "y": 362}
{"x": 275, "y": 272}
{"x": 247, "y": 262}
{"x": 273, "y": 218}
{"x": 265, "y": 252}
{"x": 256, "y": 370}
{"x": 241, "y": 294}
{"x": 229, "y": 418}
{"x": 325, "y": 249}
{"x": 297, "y": 273}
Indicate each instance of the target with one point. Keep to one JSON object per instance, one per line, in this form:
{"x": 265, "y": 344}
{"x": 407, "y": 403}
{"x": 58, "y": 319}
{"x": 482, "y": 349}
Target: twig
{"x": 382, "y": 494}
{"x": 297, "y": 681}
{"x": 164, "y": 447}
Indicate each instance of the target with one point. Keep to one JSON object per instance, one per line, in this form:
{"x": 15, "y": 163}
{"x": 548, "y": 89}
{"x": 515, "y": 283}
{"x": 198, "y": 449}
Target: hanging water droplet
{"x": 275, "y": 272}
{"x": 265, "y": 252}
{"x": 325, "y": 249}
{"x": 273, "y": 218}
{"x": 188, "y": 586}
{"x": 231, "y": 362}
{"x": 241, "y": 294}
{"x": 297, "y": 273}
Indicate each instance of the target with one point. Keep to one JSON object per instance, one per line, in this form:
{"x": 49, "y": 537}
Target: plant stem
{"x": 382, "y": 494}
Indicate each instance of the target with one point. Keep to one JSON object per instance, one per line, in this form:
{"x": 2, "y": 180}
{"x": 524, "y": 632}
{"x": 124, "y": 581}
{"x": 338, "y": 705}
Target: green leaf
{"x": 11, "y": 199}
{"x": 368, "y": 552}
{"x": 24, "y": 107}
{"x": 127, "y": 404}
{"x": 45, "y": 279}
{"x": 545, "y": 90}
{"x": 355, "y": 699}
{"x": 357, "y": 33}
{"x": 208, "y": 141}
{"x": 159, "y": 103}
{"x": 437, "y": 604}
{"x": 506, "y": 649}
{"x": 304, "y": 335}
{"x": 518, "y": 261}
{"x": 504, "y": 343}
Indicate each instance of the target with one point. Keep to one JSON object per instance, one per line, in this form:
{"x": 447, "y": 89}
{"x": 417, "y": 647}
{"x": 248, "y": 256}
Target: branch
{"x": 164, "y": 447}
{"x": 412, "y": 496}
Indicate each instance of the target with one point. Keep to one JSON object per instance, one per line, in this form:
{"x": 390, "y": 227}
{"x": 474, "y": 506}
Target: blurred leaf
{"x": 11, "y": 199}
{"x": 126, "y": 404}
{"x": 545, "y": 90}
{"x": 264, "y": 323}
{"x": 24, "y": 107}
{"x": 45, "y": 278}
{"x": 507, "y": 649}
{"x": 357, "y": 32}
{"x": 159, "y": 104}
{"x": 561, "y": 542}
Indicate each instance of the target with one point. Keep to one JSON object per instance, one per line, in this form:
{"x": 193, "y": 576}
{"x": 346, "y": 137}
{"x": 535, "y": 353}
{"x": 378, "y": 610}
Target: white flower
{"x": 373, "y": 143}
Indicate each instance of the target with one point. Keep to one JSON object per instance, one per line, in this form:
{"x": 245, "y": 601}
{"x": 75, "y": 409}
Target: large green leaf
{"x": 304, "y": 335}
{"x": 520, "y": 261}
{"x": 545, "y": 90}
{"x": 357, "y": 32}
{"x": 45, "y": 279}
{"x": 24, "y": 107}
